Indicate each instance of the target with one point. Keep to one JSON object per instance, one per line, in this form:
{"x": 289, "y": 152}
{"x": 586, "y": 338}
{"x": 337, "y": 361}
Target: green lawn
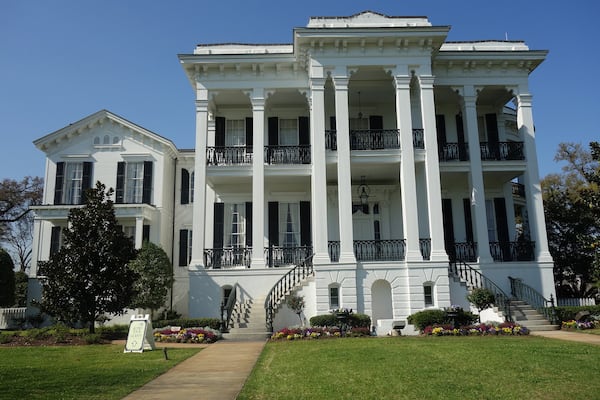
{"x": 426, "y": 368}
{"x": 80, "y": 372}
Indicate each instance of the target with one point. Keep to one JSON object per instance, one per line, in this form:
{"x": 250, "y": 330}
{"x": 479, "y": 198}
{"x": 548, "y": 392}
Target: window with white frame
{"x": 73, "y": 182}
{"x": 235, "y": 135}
{"x": 134, "y": 182}
{"x": 289, "y": 224}
{"x": 428, "y": 294}
{"x": 334, "y": 296}
{"x": 288, "y": 132}
{"x": 235, "y": 225}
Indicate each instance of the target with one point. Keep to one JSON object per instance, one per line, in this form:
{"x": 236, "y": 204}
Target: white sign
{"x": 140, "y": 336}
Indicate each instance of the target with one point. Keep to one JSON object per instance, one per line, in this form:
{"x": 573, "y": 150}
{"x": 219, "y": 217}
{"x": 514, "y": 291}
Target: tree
{"x": 16, "y": 197}
{"x": 7, "y": 280}
{"x": 573, "y": 219}
{"x": 296, "y": 304}
{"x": 154, "y": 277}
{"x": 89, "y": 276}
{"x": 482, "y": 299}
{"x": 21, "y": 282}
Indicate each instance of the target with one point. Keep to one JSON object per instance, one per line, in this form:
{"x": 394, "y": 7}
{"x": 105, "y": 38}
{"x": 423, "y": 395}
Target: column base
{"x": 196, "y": 265}
{"x": 438, "y": 255}
{"x": 544, "y": 256}
{"x": 413, "y": 256}
{"x": 321, "y": 259}
{"x": 258, "y": 263}
{"x": 347, "y": 258}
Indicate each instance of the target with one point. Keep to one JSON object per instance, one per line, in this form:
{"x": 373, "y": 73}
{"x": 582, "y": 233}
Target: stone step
{"x": 538, "y": 328}
{"x": 250, "y": 335}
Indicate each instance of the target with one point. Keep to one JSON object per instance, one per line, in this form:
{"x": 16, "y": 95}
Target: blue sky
{"x": 63, "y": 60}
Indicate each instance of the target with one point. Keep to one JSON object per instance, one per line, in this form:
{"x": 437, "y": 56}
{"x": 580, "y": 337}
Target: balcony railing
{"x": 228, "y": 155}
{"x": 502, "y": 151}
{"x": 277, "y": 256}
{"x": 425, "y": 247}
{"x": 418, "y": 139}
{"x": 518, "y": 190}
{"x": 227, "y": 258}
{"x": 522, "y": 250}
{"x": 372, "y": 250}
{"x": 331, "y": 139}
{"x": 462, "y": 251}
{"x": 287, "y": 154}
{"x": 374, "y": 139}
{"x": 454, "y": 152}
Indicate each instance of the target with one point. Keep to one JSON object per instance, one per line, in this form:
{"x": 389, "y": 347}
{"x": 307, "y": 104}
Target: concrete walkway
{"x": 217, "y": 372}
{"x": 571, "y": 336}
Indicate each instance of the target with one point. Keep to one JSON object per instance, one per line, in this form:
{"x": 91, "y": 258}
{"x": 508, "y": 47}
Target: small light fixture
{"x": 363, "y": 191}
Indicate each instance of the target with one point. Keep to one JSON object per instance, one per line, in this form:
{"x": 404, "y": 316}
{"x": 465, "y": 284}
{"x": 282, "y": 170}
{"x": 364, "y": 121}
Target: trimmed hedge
{"x": 425, "y": 318}
{"x": 355, "y": 320}
{"x": 568, "y": 313}
{"x": 213, "y": 323}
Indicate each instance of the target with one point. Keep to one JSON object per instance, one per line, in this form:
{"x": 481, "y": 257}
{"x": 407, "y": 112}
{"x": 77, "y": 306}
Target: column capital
{"x": 524, "y": 100}
{"x": 426, "y": 81}
{"x": 340, "y": 82}
{"x": 202, "y": 105}
{"x": 317, "y": 84}
{"x": 402, "y": 82}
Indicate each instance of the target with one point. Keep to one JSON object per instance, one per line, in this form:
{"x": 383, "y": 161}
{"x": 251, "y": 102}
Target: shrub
{"x": 213, "y": 323}
{"x": 482, "y": 298}
{"x": 93, "y": 338}
{"x": 425, "y": 318}
{"x": 355, "y": 320}
{"x": 569, "y": 313}
{"x": 113, "y": 332}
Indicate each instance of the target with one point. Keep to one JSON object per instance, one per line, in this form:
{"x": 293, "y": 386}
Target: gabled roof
{"x": 74, "y": 129}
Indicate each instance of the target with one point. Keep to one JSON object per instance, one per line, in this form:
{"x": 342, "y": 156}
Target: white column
{"x": 319, "y": 172}
{"x": 343, "y": 170}
{"x": 476, "y": 175}
{"x": 199, "y": 220}
{"x": 410, "y": 219}
{"x": 432, "y": 170}
{"x": 258, "y": 179}
{"x": 139, "y": 232}
{"x": 533, "y": 191}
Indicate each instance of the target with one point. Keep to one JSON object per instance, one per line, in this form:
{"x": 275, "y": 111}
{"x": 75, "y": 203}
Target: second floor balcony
{"x": 501, "y": 151}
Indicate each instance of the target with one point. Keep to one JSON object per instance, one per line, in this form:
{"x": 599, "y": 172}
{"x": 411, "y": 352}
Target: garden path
{"x": 568, "y": 335}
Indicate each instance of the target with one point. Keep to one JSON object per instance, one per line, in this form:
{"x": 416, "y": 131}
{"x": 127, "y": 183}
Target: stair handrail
{"x": 284, "y": 285}
{"x": 227, "y": 308}
{"x": 524, "y": 292}
{"x": 476, "y": 279}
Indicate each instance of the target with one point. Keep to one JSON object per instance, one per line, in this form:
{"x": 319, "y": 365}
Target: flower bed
{"x": 176, "y": 334}
{"x": 318, "y": 333}
{"x": 503, "y": 329}
{"x": 580, "y": 325}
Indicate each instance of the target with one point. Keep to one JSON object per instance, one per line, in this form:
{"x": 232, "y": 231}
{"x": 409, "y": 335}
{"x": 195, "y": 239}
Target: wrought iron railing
{"x": 276, "y": 256}
{"x": 227, "y": 257}
{"x": 521, "y": 250}
{"x": 284, "y": 286}
{"x": 418, "y": 138}
{"x": 371, "y": 250}
{"x": 502, "y": 151}
{"x": 227, "y": 309}
{"x": 475, "y": 279}
{"x": 228, "y": 155}
{"x": 374, "y": 139}
{"x": 462, "y": 252}
{"x": 526, "y": 293}
{"x": 454, "y": 152}
{"x": 287, "y": 154}
{"x": 331, "y": 139}
{"x": 425, "y": 247}
{"x": 518, "y": 190}
{"x": 333, "y": 247}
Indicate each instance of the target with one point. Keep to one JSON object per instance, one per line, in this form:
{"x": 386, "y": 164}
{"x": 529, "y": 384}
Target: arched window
{"x": 106, "y": 139}
{"x": 97, "y": 140}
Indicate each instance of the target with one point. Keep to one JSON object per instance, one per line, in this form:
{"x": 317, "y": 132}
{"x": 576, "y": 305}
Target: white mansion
{"x": 368, "y": 165}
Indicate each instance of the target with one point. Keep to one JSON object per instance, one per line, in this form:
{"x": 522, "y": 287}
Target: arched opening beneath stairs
{"x": 381, "y": 298}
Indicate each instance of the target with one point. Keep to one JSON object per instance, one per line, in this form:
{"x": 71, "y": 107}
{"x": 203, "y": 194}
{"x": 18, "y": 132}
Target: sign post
{"x": 140, "y": 336}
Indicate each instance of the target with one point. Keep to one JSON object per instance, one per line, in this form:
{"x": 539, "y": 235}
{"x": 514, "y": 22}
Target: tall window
{"x": 72, "y": 179}
{"x": 491, "y": 220}
{"x": 428, "y": 294}
{"x": 288, "y": 132}
{"x": 235, "y": 225}
{"x": 192, "y": 175}
{"x": 234, "y": 132}
{"x": 289, "y": 225}
{"x": 134, "y": 182}
{"x": 185, "y": 247}
{"x": 334, "y": 296}
{"x": 73, "y": 183}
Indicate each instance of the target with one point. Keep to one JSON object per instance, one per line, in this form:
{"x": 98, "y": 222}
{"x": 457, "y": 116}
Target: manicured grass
{"x": 80, "y": 372}
{"x": 426, "y": 368}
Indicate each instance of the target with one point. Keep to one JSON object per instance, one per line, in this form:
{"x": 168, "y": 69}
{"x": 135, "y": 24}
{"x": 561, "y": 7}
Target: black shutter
{"x": 468, "y": 220}
{"x": 146, "y": 233}
{"x": 273, "y": 126}
{"x": 58, "y": 182}
{"x": 491, "y": 125}
{"x": 440, "y": 124}
{"x": 375, "y": 122}
{"x": 332, "y": 123}
{"x": 273, "y": 223}
{"x": 147, "y": 186}
{"x": 220, "y": 132}
{"x": 185, "y": 186}
{"x": 218, "y": 228}
{"x": 303, "y": 130}
{"x": 86, "y": 180}
{"x": 183, "y": 247}
{"x": 120, "y": 192}
{"x": 502, "y": 227}
{"x": 448, "y": 222}
{"x": 249, "y": 134}
{"x": 305, "y": 232}
{"x": 460, "y": 132}
{"x": 54, "y": 240}
{"x": 248, "y": 224}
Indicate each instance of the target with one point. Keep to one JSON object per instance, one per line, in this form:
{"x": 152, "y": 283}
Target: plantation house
{"x": 370, "y": 164}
